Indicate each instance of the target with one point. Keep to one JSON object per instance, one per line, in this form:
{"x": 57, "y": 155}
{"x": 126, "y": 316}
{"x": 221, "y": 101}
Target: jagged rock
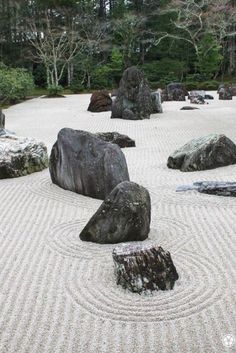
{"x": 125, "y": 215}
{"x": 119, "y": 139}
{"x": 143, "y": 267}
{"x": 134, "y": 99}
{"x": 219, "y": 188}
{"x": 230, "y": 88}
{"x": 176, "y": 91}
{"x": 100, "y": 102}
{"x": 20, "y": 156}
{"x": 156, "y": 101}
{"x": 187, "y": 107}
{"x": 206, "y": 152}
{"x": 2, "y": 120}
{"x": 83, "y": 163}
{"x": 225, "y": 93}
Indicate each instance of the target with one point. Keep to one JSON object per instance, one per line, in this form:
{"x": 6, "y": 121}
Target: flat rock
{"x": 100, "y": 102}
{"x": 83, "y": 163}
{"x": 116, "y": 138}
{"x": 20, "y": 156}
{"x": 206, "y": 152}
{"x": 125, "y": 215}
{"x": 187, "y": 107}
{"x": 219, "y": 188}
{"x": 143, "y": 267}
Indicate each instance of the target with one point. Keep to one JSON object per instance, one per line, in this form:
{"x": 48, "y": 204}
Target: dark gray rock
{"x": 125, "y": 215}
{"x": 2, "y": 120}
{"x": 176, "y": 91}
{"x": 83, "y": 163}
{"x": 208, "y": 96}
{"x": 119, "y": 139}
{"x": 225, "y": 93}
{"x": 134, "y": 100}
{"x": 156, "y": 102}
{"x": 219, "y": 188}
{"x": 144, "y": 267}
{"x": 20, "y": 156}
{"x": 100, "y": 102}
{"x": 187, "y": 107}
{"x": 207, "y": 152}
{"x": 230, "y": 88}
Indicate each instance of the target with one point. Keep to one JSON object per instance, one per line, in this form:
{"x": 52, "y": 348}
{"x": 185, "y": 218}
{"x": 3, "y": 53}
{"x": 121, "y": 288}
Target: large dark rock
{"x": 100, "y": 102}
{"x": 2, "y": 120}
{"x": 83, "y": 163}
{"x": 176, "y": 91}
{"x": 134, "y": 100}
{"x": 20, "y": 156}
{"x": 119, "y": 139}
{"x": 207, "y": 152}
{"x": 225, "y": 93}
{"x": 230, "y": 88}
{"x": 219, "y": 188}
{"x": 144, "y": 267}
{"x": 125, "y": 215}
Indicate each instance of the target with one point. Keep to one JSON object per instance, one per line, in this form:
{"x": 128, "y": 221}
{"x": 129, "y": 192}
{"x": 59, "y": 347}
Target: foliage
{"x": 55, "y": 90}
{"x": 15, "y": 84}
{"x": 209, "y": 56}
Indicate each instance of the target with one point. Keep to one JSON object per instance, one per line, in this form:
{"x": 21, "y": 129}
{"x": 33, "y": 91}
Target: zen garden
{"x": 118, "y": 176}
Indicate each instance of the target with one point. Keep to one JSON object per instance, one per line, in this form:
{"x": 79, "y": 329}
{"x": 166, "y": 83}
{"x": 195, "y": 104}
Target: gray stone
{"x": 100, "y": 102}
{"x": 119, "y": 139}
{"x": 156, "y": 99}
{"x": 207, "y": 152}
{"x": 225, "y": 93}
{"x": 187, "y": 107}
{"x": 125, "y": 215}
{"x": 83, "y": 163}
{"x": 134, "y": 100}
{"x": 2, "y": 120}
{"x": 20, "y": 156}
{"x": 143, "y": 267}
{"x": 219, "y": 188}
{"x": 176, "y": 92}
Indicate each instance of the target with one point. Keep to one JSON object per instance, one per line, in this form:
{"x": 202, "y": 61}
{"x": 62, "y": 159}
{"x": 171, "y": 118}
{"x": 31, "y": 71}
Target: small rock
{"x": 219, "y": 188}
{"x": 125, "y": 215}
{"x": 143, "y": 267}
{"x": 116, "y": 138}
{"x": 100, "y": 102}
{"x": 187, "y": 107}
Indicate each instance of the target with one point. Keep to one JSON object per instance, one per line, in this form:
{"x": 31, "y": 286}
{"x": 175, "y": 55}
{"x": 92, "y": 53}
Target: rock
{"x": 219, "y": 188}
{"x": 230, "y": 88}
{"x": 100, "y": 102}
{"x": 144, "y": 267}
{"x": 134, "y": 100}
{"x": 20, "y": 156}
{"x": 187, "y": 107}
{"x": 164, "y": 95}
{"x": 197, "y": 93}
{"x": 197, "y": 100}
{"x": 156, "y": 101}
{"x": 83, "y": 163}
{"x": 114, "y": 137}
{"x": 176, "y": 91}
{"x": 225, "y": 93}
{"x": 208, "y": 96}
{"x": 114, "y": 93}
{"x": 125, "y": 215}
{"x": 233, "y": 89}
{"x": 2, "y": 120}
{"x": 207, "y": 152}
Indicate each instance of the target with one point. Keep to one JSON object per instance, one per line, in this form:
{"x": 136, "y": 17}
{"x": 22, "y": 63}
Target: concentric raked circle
{"x": 64, "y": 239}
{"x": 45, "y": 188}
{"x": 94, "y": 289}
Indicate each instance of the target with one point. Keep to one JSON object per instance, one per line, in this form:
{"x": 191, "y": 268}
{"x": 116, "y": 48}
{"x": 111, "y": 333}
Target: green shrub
{"x": 15, "y": 84}
{"x": 54, "y": 91}
{"x": 76, "y": 86}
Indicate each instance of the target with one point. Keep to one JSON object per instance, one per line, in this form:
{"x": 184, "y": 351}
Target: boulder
{"x": 219, "y": 188}
{"x": 197, "y": 100}
{"x": 230, "y": 88}
{"x": 100, "y": 102}
{"x": 208, "y": 96}
{"x": 187, "y": 107}
{"x": 225, "y": 93}
{"x": 176, "y": 91}
{"x": 20, "y": 156}
{"x": 156, "y": 102}
{"x": 114, "y": 137}
{"x": 2, "y": 120}
{"x": 134, "y": 100}
{"x": 83, "y": 163}
{"x": 125, "y": 215}
{"x": 233, "y": 89}
{"x": 143, "y": 267}
{"x": 207, "y": 152}
{"x": 197, "y": 93}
